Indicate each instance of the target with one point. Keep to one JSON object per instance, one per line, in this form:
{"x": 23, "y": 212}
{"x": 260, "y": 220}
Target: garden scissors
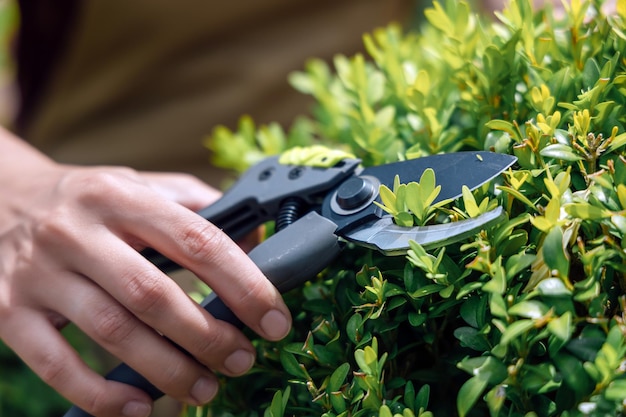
{"x": 318, "y": 209}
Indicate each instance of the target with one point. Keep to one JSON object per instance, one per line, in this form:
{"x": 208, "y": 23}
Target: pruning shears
{"x": 318, "y": 209}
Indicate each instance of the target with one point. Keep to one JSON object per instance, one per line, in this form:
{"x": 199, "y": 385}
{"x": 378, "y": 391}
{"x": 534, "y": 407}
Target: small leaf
{"x": 470, "y": 202}
{"x": 554, "y": 253}
{"x": 388, "y": 199}
{"x": 426, "y": 290}
{"x": 621, "y": 195}
{"x": 291, "y": 365}
{"x": 553, "y": 287}
{"x": 560, "y": 151}
{"x": 616, "y": 391}
{"x": 427, "y": 180}
{"x": 469, "y": 393}
{"x": 529, "y": 309}
{"x": 562, "y": 327}
{"x": 338, "y": 377}
{"x": 384, "y": 411}
{"x": 504, "y": 126}
{"x": 515, "y": 329}
{"x": 586, "y": 211}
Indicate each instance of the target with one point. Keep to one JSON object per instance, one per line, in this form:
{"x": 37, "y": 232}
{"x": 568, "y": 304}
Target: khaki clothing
{"x": 141, "y": 83}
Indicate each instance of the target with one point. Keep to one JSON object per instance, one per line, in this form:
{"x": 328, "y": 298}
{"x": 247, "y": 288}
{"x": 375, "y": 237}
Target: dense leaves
{"x": 524, "y": 318}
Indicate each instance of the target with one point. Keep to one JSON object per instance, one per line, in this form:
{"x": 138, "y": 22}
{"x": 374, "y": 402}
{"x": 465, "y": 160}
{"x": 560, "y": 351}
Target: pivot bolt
{"x": 354, "y": 193}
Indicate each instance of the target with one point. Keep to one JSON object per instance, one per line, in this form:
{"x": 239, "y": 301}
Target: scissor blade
{"x": 391, "y": 239}
{"x": 452, "y": 171}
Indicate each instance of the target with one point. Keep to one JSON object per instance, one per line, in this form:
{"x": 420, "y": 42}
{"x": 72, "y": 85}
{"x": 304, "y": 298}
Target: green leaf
{"x": 497, "y": 306}
{"x": 292, "y": 366}
{"x": 353, "y": 327}
{"x": 616, "y": 391}
{"x": 504, "y": 126}
{"x": 384, "y": 411}
{"x": 560, "y": 151}
{"x": 516, "y": 329}
{"x": 574, "y": 374}
{"x": 422, "y": 397}
{"x": 531, "y": 309}
{"x": 553, "y": 287}
{"x": 469, "y": 394}
{"x": 587, "y": 211}
{"x": 338, "y": 377}
{"x": 618, "y": 142}
{"x": 498, "y": 282}
{"x": 621, "y": 195}
{"x": 279, "y": 404}
{"x": 554, "y": 253}
{"x": 562, "y": 327}
{"x": 388, "y": 199}
{"x": 518, "y": 195}
{"x": 427, "y": 181}
{"x": 470, "y": 202}
{"x": 427, "y": 290}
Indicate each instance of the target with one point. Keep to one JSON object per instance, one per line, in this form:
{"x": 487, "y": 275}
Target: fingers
{"x": 197, "y": 245}
{"x": 96, "y": 279}
{"x": 138, "y": 214}
{"x": 212, "y": 256}
{"x": 183, "y": 188}
{"x": 146, "y": 299}
{"x": 113, "y": 327}
{"x": 48, "y": 354}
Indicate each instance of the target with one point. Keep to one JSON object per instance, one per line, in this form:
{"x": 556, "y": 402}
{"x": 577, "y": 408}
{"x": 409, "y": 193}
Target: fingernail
{"x": 239, "y": 362}
{"x": 275, "y": 324}
{"x": 204, "y": 390}
{"x": 136, "y": 409}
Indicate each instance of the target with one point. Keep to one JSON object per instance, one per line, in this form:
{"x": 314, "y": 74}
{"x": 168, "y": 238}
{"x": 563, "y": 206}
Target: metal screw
{"x": 296, "y": 173}
{"x": 266, "y": 174}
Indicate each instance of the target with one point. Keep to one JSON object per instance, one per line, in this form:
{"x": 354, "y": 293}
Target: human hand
{"x": 69, "y": 241}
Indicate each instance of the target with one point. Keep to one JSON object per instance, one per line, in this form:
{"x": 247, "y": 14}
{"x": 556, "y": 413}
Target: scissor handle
{"x": 288, "y": 258}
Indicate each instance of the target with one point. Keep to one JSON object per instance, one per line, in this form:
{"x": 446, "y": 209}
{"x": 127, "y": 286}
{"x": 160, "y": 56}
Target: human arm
{"x": 69, "y": 242}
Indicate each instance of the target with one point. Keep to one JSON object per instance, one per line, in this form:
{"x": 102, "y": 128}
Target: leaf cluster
{"x": 526, "y": 318}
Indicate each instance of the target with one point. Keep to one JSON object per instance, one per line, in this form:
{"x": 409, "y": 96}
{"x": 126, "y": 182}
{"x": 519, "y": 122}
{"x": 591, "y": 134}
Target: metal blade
{"x": 452, "y": 172}
{"x": 390, "y": 239}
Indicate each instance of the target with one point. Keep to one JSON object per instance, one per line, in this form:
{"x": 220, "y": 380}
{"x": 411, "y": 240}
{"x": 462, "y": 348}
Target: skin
{"x": 69, "y": 242}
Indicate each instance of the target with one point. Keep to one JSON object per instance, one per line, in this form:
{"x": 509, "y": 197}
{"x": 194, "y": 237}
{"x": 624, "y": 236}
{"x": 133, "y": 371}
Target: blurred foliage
{"x": 23, "y": 393}
{"x": 527, "y": 317}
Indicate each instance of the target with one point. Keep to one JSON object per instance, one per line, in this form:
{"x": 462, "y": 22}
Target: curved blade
{"x": 452, "y": 172}
{"x": 384, "y": 236}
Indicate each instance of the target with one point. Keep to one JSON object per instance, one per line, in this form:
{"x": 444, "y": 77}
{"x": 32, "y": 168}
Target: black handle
{"x": 288, "y": 259}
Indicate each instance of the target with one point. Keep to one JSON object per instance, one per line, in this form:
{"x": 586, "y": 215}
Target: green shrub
{"x": 527, "y": 317}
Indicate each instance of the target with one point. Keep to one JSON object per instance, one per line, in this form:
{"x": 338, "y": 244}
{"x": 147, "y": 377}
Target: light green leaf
{"x": 621, "y": 195}
{"x": 562, "y": 327}
{"x": 469, "y": 394}
{"x": 553, "y": 287}
{"x": 616, "y": 391}
{"x": 586, "y": 211}
{"x": 427, "y": 180}
{"x": 530, "y": 309}
{"x": 470, "y": 203}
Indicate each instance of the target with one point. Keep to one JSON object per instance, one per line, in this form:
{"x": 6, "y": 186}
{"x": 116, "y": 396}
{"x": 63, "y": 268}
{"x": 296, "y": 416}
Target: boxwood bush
{"x": 527, "y": 317}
